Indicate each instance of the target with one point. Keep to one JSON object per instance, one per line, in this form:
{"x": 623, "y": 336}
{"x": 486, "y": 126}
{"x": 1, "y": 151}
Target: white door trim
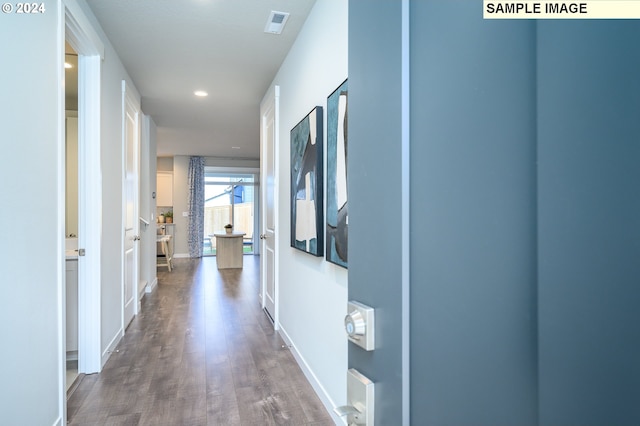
{"x": 90, "y": 216}
{"x": 77, "y": 30}
{"x": 80, "y": 32}
{"x": 276, "y": 198}
{"x": 61, "y": 226}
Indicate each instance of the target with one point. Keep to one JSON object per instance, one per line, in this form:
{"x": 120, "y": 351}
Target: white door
{"x": 269, "y": 192}
{"x": 131, "y": 141}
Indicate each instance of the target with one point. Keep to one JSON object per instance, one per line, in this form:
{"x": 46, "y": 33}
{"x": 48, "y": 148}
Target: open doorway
{"x": 82, "y": 49}
{"x": 230, "y": 198}
{"x": 71, "y": 212}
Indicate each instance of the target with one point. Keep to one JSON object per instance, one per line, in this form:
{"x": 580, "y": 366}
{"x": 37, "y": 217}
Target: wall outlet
{"x": 185, "y": 214}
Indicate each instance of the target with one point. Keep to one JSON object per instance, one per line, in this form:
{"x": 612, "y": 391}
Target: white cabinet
{"x": 164, "y": 189}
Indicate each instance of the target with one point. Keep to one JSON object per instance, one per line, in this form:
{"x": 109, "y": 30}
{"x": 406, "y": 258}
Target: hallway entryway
{"x": 201, "y": 352}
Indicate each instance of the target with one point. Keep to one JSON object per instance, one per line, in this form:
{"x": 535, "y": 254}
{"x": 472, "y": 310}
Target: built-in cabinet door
{"x": 164, "y": 197}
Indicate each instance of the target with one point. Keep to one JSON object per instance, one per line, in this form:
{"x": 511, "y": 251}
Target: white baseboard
{"x": 150, "y": 287}
{"x": 111, "y": 347}
{"x": 72, "y": 355}
{"x": 311, "y": 377}
{"x": 181, "y": 255}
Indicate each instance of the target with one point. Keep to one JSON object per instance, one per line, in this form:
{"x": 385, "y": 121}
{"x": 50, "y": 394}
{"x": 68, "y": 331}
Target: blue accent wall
{"x": 473, "y": 226}
{"x": 589, "y": 222}
{"x": 525, "y": 215}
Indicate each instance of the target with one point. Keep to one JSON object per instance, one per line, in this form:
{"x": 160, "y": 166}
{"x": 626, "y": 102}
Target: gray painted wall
{"x": 589, "y": 222}
{"x": 374, "y": 193}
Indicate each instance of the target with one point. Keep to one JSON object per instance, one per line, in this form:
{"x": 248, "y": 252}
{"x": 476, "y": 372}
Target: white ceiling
{"x": 172, "y": 48}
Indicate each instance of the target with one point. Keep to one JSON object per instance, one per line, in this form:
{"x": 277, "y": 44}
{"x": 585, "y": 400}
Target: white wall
{"x": 30, "y": 310}
{"x": 165, "y": 164}
{"x": 113, "y": 72}
{"x": 32, "y": 123}
{"x": 180, "y": 204}
{"x": 312, "y": 291}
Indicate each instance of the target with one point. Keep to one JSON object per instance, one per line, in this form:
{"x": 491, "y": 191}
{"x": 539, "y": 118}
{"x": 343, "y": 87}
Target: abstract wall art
{"x": 337, "y": 214}
{"x": 307, "y": 207}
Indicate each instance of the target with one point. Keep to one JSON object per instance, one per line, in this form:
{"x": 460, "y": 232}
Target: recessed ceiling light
{"x": 68, "y": 65}
{"x": 235, "y": 147}
{"x": 200, "y": 93}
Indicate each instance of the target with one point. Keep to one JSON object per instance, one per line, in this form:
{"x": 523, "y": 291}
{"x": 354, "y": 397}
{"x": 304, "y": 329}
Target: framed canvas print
{"x": 307, "y": 207}
{"x": 337, "y": 214}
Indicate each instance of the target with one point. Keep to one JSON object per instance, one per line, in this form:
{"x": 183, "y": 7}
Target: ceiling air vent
{"x": 276, "y": 22}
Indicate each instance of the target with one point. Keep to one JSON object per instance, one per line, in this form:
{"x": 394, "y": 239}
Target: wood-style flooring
{"x": 201, "y": 352}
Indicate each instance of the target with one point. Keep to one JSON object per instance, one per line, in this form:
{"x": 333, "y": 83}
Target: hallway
{"x": 201, "y": 352}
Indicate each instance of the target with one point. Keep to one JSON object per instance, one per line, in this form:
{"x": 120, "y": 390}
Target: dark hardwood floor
{"x": 201, "y": 352}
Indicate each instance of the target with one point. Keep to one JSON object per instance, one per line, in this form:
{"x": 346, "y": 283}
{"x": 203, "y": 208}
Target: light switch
{"x": 185, "y": 214}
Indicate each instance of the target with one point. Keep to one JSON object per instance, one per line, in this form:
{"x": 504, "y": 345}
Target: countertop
{"x": 223, "y": 234}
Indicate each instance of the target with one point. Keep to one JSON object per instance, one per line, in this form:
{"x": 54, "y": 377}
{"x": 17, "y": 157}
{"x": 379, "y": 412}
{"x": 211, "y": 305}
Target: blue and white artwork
{"x": 307, "y": 206}
{"x": 337, "y": 214}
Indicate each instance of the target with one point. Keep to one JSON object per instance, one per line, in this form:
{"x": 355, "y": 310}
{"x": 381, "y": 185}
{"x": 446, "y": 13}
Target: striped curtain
{"x": 196, "y": 206}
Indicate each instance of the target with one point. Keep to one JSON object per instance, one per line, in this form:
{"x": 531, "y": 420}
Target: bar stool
{"x": 166, "y": 250}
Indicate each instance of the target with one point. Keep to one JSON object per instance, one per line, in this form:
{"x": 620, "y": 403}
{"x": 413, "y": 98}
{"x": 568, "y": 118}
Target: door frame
{"x": 271, "y": 102}
{"x": 75, "y": 28}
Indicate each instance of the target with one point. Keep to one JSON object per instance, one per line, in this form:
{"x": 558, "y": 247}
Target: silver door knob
{"x": 263, "y": 236}
{"x": 136, "y": 238}
{"x": 355, "y": 324}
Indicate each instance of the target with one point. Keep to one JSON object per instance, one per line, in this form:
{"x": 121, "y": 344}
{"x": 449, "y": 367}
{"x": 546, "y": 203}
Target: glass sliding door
{"x": 229, "y": 199}
{"x": 217, "y": 213}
